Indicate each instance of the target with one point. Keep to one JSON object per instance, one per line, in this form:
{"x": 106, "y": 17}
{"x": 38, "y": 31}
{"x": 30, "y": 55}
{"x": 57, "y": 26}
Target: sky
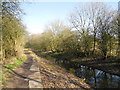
{"x": 39, "y": 14}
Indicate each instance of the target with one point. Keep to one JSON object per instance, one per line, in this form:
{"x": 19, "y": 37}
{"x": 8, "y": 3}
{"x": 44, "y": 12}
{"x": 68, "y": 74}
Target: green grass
{"x": 16, "y": 63}
{"x": 10, "y": 67}
{"x": 50, "y": 66}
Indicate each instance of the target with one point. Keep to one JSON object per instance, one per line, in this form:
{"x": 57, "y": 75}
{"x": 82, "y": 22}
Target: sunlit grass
{"x": 82, "y": 80}
{"x": 17, "y": 62}
{"x": 10, "y": 67}
{"x": 50, "y": 66}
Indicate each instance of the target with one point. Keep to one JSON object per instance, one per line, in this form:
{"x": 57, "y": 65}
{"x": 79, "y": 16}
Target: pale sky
{"x": 38, "y": 14}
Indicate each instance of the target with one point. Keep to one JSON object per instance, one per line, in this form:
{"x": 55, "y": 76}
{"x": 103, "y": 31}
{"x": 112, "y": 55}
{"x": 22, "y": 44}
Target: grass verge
{"x": 10, "y": 67}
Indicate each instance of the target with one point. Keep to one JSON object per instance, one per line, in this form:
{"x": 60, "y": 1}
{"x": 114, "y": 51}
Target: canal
{"x": 94, "y": 77}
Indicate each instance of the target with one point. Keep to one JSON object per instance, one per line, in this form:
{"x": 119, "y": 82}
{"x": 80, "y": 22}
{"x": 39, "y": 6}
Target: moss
{"x": 71, "y": 70}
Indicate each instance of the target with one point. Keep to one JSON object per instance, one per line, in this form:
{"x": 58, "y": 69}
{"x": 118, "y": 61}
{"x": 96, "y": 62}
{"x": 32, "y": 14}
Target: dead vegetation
{"x": 54, "y": 76}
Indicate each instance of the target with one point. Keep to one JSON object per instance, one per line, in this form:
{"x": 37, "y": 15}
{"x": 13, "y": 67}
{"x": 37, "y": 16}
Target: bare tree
{"x": 94, "y": 19}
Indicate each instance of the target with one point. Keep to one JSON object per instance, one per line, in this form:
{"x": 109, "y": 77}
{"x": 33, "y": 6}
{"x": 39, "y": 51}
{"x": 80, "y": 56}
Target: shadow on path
{"x": 19, "y": 75}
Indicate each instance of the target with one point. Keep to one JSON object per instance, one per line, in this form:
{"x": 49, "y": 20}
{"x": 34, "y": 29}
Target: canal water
{"x": 98, "y": 78}
{"x": 94, "y": 77}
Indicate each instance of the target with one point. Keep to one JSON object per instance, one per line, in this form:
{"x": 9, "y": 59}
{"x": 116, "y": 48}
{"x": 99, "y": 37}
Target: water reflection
{"x": 94, "y": 77}
{"x": 98, "y": 78}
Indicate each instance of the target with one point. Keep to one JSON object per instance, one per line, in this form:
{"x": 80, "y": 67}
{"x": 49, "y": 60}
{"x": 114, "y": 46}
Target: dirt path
{"x": 25, "y": 76}
{"x": 37, "y": 72}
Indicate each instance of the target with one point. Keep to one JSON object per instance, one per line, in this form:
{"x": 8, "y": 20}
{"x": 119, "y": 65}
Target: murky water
{"x": 96, "y": 78}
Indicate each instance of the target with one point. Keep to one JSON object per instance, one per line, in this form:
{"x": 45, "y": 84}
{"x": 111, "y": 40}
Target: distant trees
{"x": 56, "y": 38}
{"x": 93, "y": 32}
{"x": 118, "y": 20}
{"x": 12, "y": 30}
{"x": 105, "y": 31}
{"x": 96, "y": 21}
{"x": 80, "y": 21}
{"x": 116, "y": 23}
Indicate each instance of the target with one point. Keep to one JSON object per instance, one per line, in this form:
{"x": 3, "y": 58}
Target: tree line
{"x": 93, "y": 31}
{"x": 12, "y": 32}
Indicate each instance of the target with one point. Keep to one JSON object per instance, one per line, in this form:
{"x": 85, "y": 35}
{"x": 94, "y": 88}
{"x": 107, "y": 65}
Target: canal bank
{"x": 95, "y": 77}
{"x": 54, "y": 76}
